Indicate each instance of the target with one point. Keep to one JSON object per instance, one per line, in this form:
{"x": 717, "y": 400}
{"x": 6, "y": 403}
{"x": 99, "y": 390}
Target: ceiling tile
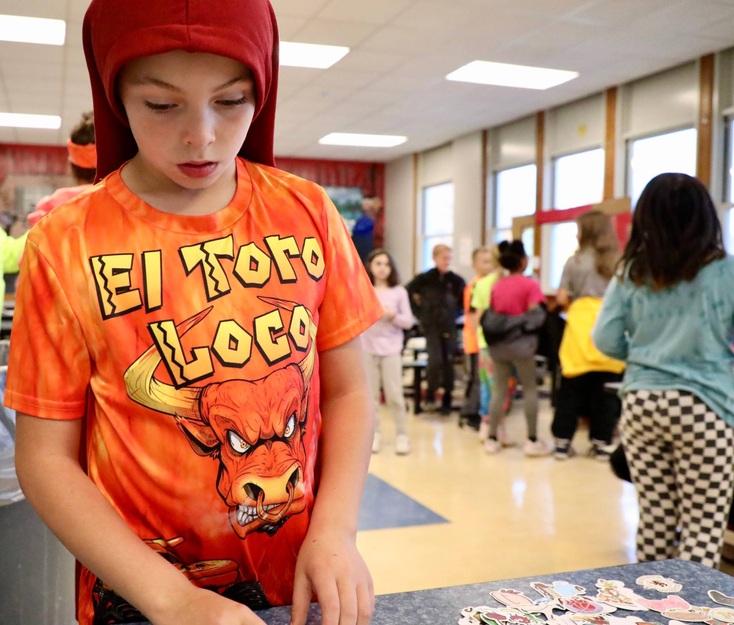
{"x": 393, "y": 79}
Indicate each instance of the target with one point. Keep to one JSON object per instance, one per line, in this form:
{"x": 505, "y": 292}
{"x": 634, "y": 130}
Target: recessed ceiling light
{"x": 507, "y": 75}
{"x": 310, "y": 54}
{"x": 21, "y": 120}
{"x": 32, "y": 30}
{"x": 362, "y": 140}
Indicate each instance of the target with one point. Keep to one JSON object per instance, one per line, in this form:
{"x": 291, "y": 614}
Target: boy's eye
{"x": 232, "y": 103}
{"x": 155, "y": 106}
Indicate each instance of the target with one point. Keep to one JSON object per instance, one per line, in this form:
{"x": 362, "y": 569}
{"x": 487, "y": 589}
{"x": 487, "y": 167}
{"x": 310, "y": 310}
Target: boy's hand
{"x": 330, "y": 567}
{"x": 201, "y": 606}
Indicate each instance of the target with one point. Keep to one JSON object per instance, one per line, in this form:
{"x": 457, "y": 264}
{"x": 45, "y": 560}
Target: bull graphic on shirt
{"x": 254, "y": 429}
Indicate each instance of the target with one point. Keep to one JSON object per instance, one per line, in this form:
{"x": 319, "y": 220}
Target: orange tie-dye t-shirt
{"x": 191, "y": 345}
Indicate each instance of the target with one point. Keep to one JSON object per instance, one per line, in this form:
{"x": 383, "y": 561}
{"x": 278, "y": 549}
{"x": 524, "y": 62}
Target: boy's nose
{"x": 199, "y": 130}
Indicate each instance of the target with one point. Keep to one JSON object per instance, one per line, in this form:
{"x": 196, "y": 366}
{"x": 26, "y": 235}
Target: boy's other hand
{"x": 330, "y": 567}
{"x": 204, "y": 606}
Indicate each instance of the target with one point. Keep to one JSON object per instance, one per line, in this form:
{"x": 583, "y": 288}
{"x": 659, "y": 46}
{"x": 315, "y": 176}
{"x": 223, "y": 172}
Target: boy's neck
{"x": 166, "y": 196}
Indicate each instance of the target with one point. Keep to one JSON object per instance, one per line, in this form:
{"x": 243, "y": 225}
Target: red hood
{"x": 114, "y": 33}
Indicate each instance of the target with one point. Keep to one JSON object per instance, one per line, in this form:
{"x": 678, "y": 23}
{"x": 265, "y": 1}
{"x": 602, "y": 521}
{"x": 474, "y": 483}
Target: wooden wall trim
{"x": 705, "y": 119}
{"x": 416, "y": 191}
{"x": 610, "y": 142}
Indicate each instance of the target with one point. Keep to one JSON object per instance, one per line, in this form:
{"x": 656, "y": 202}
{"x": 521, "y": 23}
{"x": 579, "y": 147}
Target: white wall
{"x": 467, "y": 176}
{"x": 663, "y": 102}
{"x": 459, "y": 162}
{"x": 512, "y": 145}
{"x": 399, "y": 214}
{"x": 575, "y": 127}
{"x": 651, "y": 105}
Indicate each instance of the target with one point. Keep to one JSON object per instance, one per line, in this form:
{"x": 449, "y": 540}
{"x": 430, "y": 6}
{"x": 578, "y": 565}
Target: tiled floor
{"x": 495, "y": 517}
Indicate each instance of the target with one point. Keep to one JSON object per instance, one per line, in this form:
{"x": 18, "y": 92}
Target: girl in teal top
{"x": 669, "y": 313}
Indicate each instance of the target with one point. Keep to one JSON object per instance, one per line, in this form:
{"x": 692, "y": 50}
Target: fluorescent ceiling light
{"x": 20, "y": 120}
{"x": 32, "y": 30}
{"x": 362, "y": 141}
{"x": 310, "y": 54}
{"x": 506, "y": 75}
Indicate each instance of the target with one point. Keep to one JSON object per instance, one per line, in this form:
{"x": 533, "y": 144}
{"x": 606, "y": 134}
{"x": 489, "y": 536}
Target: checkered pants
{"x": 681, "y": 456}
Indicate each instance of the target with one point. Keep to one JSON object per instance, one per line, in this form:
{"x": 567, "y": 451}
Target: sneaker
{"x": 563, "y": 450}
{"x": 376, "y": 443}
{"x": 502, "y": 436}
{"x": 483, "y": 430}
{"x": 428, "y": 405}
{"x": 600, "y": 450}
{"x": 402, "y": 444}
{"x": 492, "y": 446}
{"x": 535, "y": 448}
{"x": 470, "y": 421}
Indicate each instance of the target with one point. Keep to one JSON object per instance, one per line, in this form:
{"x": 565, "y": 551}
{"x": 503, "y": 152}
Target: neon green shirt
{"x": 480, "y": 299}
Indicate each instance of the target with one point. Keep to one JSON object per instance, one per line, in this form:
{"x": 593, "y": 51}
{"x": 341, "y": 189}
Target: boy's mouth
{"x": 198, "y": 169}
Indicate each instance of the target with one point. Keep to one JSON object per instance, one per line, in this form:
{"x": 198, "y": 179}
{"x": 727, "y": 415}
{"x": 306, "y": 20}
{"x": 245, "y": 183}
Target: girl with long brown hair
{"x": 584, "y": 369}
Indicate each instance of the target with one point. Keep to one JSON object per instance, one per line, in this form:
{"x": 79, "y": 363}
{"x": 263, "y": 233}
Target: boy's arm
{"x": 404, "y": 315}
{"x": 329, "y": 564}
{"x": 76, "y": 511}
{"x": 414, "y": 288}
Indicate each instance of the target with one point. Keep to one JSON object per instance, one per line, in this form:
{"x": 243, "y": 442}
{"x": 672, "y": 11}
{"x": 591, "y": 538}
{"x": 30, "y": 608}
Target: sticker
{"x": 627, "y": 620}
{"x": 694, "y": 614}
{"x": 469, "y": 615}
{"x": 585, "y": 605}
{"x": 565, "y": 619}
{"x": 721, "y": 598}
{"x": 725, "y": 615}
{"x": 558, "y": 589}
{"x": 590, "y": 619}
{"x": 659, "y": 583}
{"x": 671, "y": 602}
{"x": 486, "y": 615}
{"x": 517, "y": 599}
{"x": 615, "y": 593}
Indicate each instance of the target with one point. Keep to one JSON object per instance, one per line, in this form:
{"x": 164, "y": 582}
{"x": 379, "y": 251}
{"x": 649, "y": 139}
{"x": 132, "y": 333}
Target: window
{"x": 728, "y": 221}
{"x": 727, "y": 227}
{"x": 578, "y": 179}
{"x": 528, "y": 239}
{"x": 562, "y": 243}
{"x": 514, "y": 197}
{"x": 438, "y": 220}
{"x": 674, "y": 152}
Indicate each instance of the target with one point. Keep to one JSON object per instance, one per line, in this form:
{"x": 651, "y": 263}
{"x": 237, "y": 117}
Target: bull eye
{"x": 238, "y": 444}
{"x": 290, "y": 427}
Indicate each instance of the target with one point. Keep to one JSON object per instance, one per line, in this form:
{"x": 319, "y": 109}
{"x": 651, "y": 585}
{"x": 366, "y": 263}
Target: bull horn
{"x": 306, "y": 365}
{"x": 143, "y": 388}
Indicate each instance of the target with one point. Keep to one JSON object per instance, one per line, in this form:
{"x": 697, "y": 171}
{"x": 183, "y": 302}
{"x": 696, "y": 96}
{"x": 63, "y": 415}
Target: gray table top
{"x": 443, "y": 606}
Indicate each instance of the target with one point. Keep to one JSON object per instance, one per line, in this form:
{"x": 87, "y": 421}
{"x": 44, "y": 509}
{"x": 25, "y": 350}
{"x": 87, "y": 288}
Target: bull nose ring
{"x": 274, "y": 518}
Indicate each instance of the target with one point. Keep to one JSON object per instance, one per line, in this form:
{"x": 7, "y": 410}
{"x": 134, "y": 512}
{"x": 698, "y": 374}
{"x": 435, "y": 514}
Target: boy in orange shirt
{"x": 202, "y": 420}
{"x": 482, "y": 264}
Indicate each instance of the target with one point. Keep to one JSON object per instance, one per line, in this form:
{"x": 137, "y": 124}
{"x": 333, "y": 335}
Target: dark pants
{"x": 441, "y": 347}
{"x": 472, "y": 394}
{"x": 584, "y": 395}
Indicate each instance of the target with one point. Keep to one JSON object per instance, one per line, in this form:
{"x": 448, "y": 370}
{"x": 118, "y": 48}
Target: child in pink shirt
{"x": 514, "y": 296}
{"x": 382, "y": 344}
